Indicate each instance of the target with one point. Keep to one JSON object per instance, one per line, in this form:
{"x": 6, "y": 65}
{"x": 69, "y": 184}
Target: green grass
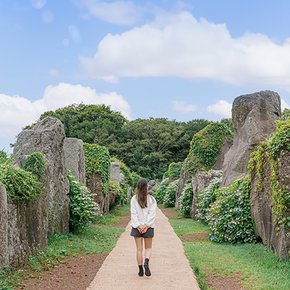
{"x": 258, "y": 267}
{"x": 98, "y": 238}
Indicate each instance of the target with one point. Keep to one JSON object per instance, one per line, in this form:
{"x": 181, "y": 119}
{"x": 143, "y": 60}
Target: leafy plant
{"x": 36, "y": 164}
{"x": 97, "y": 160}
{"x": 229, "y": 217}
{"x": 83, "y": 208}
{"x": 161, "y": 191}
{"x": 3, "y": 156}
{"x": 206, "y": 198}
{"x": 186, "y": 200}
{"x": 169, "y": 197}
{"x": 173, "y": 171}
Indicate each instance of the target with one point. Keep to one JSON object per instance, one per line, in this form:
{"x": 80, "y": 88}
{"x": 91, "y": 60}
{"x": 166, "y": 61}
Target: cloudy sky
{"x": 176, "y": 59}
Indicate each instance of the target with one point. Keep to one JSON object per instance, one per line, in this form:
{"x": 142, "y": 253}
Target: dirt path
{"x": 169, "y": 266}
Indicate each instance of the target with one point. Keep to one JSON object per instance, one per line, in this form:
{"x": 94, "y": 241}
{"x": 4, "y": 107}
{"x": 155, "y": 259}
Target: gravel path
{"x": 169, "y": 265}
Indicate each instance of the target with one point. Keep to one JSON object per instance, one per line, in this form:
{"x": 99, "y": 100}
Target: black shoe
{"x": 146, "y": 267}
{"x": 141, "y": 271}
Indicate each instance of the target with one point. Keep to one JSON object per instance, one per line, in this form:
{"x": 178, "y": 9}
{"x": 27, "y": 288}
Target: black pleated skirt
{"x": 149, "y": 233}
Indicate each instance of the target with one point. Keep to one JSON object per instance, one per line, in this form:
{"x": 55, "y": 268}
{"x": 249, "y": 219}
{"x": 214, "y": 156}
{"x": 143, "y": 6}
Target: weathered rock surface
{"x": 47, "y": 136}
{"x": 221, "y": 157}
{"x": 199, "y": 182}
{"x": 74, "y": 158}
{"x": 254, "y": 118}
{"x": 115, "y": 173}
{"x": 152, "y": 186}
{"x": 183, "y": 179}
{"x": 3, "y": 227}
{"x": 261, "y": 208}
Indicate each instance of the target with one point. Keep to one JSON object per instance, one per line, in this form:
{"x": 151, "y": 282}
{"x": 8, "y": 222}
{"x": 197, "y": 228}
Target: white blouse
{"x": 143, "y": 216}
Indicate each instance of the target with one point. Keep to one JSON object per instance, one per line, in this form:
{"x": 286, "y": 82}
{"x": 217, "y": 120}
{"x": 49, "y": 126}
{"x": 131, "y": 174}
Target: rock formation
{"x": 254, "y": 118}
{"x": 199, "y": 182}
{"x": 74, "y": 158}
{"x": 115, "y": 173}
{"x": 152, "y": 186}
{"x": 47, "y": 136}
{"x": 3, "y": 227}
{"x": 183, "y": 179}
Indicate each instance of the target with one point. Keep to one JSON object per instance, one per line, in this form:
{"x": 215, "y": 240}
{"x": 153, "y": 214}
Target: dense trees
{"x": 147, "y": 146}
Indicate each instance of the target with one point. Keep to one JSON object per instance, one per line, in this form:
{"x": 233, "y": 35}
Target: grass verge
{"x": 256, "y": 266}
{"x": 100, "y": 237}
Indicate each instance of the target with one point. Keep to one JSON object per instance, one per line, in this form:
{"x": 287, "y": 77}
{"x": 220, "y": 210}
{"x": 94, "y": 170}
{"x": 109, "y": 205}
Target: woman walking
{"x": 143, "y": 211}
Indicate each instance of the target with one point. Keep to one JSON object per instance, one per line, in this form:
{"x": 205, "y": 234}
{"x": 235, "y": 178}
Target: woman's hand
{"x": 142, "y": 229}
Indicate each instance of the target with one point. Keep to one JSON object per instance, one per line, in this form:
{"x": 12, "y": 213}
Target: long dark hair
{"x": 141, "y": 192}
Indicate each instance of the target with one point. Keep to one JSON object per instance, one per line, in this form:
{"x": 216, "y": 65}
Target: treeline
{"x": 147, "y": 146}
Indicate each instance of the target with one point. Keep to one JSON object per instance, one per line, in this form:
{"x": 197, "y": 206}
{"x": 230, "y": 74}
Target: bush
{"x": 36, "y": 164}
{"x": 173, "y": 171}
{"x": 83, "y": 208}
{"x": 3, "y": 156}
{"x": 170, "y": 192}
{"x": 21, "y": 185}
{"x": 229, "y": 216}
{"x": 205, "y": 147}
{"x": 206, "y": 198}
{"x": 186, "y": 200}
{"x": 161, "y": 191}
{"x": 121, "y": 193}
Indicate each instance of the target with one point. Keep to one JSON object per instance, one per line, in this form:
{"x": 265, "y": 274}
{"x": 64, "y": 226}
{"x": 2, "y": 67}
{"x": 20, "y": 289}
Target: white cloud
{"x": 181, "y": 46}
{"x": 222, "y": 109}
{"x": 183, "y": 107}
{"x": 284, "y": 105}
{"x": 38, "y": 4}
{"x": 17, "y": 112}
{"x": 116, "y": 12}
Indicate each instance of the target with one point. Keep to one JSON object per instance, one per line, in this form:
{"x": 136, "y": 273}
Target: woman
{"x": 143, "y": 211}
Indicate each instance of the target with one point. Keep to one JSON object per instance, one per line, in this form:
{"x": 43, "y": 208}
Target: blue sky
{"x": 176, "y": 59}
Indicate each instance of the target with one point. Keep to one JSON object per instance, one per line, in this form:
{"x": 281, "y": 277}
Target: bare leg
{"x": 148, "y": 247}
{"x": 139, "y": 248}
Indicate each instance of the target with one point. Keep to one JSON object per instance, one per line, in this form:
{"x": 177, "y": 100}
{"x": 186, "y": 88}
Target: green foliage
{"x": 97, "y": 161}
{"x": 161, "y": 191}
{"x": 83, "y": 208}
{"x": 205, "y": 147}
{"x": 186, "y": 200}
{"x": 21, "y": 185}
{"x": 270, "y": 152}
{"x": 169, "y": 197}
{"x": 36, "y": 164}
{"x": 3, "y": 156}
{"x": 91, "y": 123}
{"x": 135, "y": 178}
{"x": 285, "y": 114}
{"x": 206, "y": 198}
{"x": 229, "y": 216}
{"x": 121, "y": 193}
{"x": 173, "y": 171}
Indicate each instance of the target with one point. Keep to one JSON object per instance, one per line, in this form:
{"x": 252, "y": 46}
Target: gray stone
{"x": 74, "y": 158}
{"x": 183, "y": 180}
{"x": 254, "y": 118}
{"x": 261, "y": 208}
{"x": 47, "y": 136}
{"x": 152, "y": 186}
{"x": 199, "y": 182}
{"x": 3, "y": 228}
{"x": 115, "y": 173}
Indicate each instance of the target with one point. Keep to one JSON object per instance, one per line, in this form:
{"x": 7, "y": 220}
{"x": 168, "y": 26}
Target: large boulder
{"x": 272, "y": 235}
{"x": 152, "y": 186}
{"x": 3, "y": 227}
{"x": 254, "y": 118}
{"x": 74, "y": 158}
{"x": 183, "y": 180}
{"x": 47, "y": 136}
{"x": 199, "y": 182}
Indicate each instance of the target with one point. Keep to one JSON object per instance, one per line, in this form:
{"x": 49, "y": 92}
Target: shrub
{"x": 205, "y": 147}
{"x": 186, "y": 200}
{"x": 173, "y": 171}
{"x": 229, "y": 216}
{"x": 36, "y": 164}
{"x": 161, "y": 191}
{"x": 3, "y": 156}
{"x": 169, "y": 197}
{"x": 21, "y": 185}
{"x": 121, "y": 193}
{"x": 206, "y": 198}
{"x": 83, "y": 208}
